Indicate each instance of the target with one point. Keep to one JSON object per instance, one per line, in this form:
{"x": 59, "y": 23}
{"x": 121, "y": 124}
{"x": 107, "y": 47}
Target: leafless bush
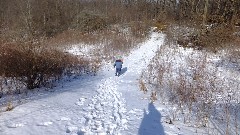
{"x": 213, "y": 37}
{"x": 35, "y": 65}
{"x": 153, "y": 97}
{"x": 116, "y": 40}
{"x": 9, "y": 107}
{"x": 88, "y": 21}
{"x": 142, "y": 86}
{"x": 189, "y": 79}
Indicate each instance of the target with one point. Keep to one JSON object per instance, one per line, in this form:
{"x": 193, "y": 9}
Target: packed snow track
{"x": 88, "y": 105}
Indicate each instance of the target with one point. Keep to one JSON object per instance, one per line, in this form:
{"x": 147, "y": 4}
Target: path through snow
{"x": 106, "y": 110}
{"x": 104, "y": 104}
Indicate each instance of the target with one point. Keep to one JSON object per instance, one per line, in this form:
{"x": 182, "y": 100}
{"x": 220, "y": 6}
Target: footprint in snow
{"x": 64, "y": 119}
{"x": 81, "y": 101}
{"x": 45, "y": 123}
{"x": 15, "y": 125}
{"x": 71, "y": 129}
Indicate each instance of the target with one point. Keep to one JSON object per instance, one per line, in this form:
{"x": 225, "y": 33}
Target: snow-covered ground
{"x": 101, "y": 104}
{"x": 174, "y": 68}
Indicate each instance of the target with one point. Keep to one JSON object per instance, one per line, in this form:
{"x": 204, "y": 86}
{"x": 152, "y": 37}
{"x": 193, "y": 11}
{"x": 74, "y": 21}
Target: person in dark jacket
{"x": 118, "y": 64}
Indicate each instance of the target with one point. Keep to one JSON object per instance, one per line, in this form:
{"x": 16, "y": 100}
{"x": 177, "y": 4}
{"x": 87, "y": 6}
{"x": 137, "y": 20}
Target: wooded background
{"x": 28, "y": 19}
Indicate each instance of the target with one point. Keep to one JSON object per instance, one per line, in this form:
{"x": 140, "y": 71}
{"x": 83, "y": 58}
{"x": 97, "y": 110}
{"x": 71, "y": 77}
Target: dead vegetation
{"x": 114, "y": 27}
{"x": 9, "y": 107}
{"x": 33, "y": 41}
{"x": 33, "y": 66}
{"x": 142, "y": 86}
{"x": 202, "y": 89}
{"x": 197, "y": 70}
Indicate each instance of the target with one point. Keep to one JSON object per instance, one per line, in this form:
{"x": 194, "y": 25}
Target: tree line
{"x": 26, "y": 19}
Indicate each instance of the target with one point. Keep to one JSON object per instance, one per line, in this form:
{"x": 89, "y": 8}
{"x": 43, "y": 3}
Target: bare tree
{"x": 205, "y": 12}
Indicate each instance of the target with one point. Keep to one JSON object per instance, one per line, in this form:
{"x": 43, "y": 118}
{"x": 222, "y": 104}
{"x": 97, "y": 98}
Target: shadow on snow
{"x": 151, "y": 122}
{"x": 123, "y": 70}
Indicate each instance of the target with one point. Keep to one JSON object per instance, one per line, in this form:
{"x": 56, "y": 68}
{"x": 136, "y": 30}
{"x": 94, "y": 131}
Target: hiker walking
{"x": 118, "y": 64}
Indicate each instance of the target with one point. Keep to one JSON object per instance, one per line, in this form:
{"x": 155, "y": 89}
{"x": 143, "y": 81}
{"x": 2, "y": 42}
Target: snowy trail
{"x": 105, "y": 112}
{"x": 136, "y": 101}
{"x": 104, "y": 104}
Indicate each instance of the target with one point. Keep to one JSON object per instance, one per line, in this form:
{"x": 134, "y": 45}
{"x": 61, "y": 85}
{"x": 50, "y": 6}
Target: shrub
{"x": 161, "y": 26}
{"x": 9, "y": 107}
{"x": 212, "y": 38}
{"x": 142, "y": 86}
{"x": 34, "y": 65}
{"x": 200, "y": 89}
{"x": 89, "y": 21}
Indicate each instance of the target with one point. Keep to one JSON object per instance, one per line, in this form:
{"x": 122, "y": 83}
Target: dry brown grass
{"x": 212, "y": 38}
{"x": 161, "y": 26}
{"x": 117, "y": 40}
{"x": 9, "y": 107}
{"x": 193, "y": 83}
{"x": 142, "y": 86}
{"x": 153, "y": 97}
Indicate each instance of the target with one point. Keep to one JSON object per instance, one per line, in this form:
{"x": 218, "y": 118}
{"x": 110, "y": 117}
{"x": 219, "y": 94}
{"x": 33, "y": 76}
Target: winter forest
{"x": 180, "y": 72}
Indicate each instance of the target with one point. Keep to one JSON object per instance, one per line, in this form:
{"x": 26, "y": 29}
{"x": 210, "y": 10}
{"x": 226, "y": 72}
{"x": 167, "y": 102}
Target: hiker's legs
{"x": 118, "y": 70}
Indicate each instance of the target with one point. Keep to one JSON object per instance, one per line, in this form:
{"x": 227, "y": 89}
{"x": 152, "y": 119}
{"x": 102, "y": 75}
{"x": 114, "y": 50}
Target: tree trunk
{"x": 205, "y": 12}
